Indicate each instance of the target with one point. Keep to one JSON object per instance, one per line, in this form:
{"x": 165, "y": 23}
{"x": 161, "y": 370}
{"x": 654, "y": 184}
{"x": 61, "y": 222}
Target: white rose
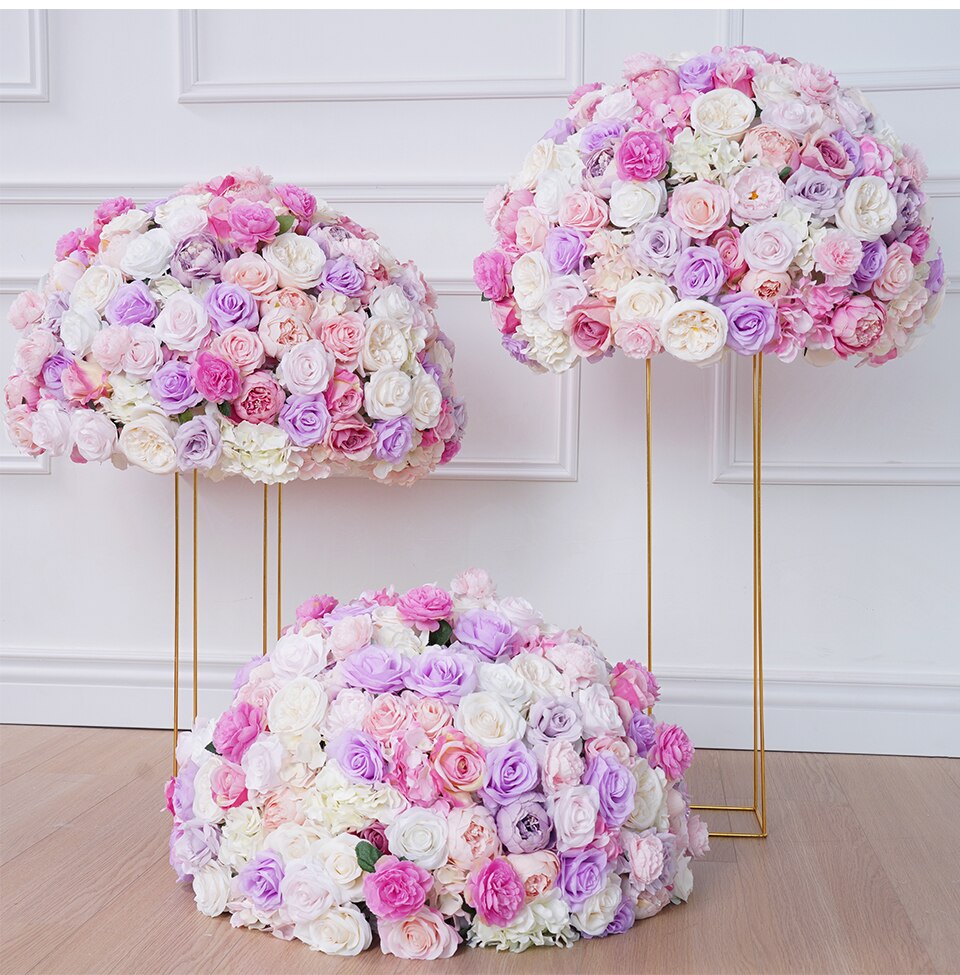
{"x": 632, "y": 202}
{"x": 205, "y": 807}
{"x": 51, "y": 427}
{"x": 540, "y": 158}
{"x": 388, "y": 394}
{"x": 339, "y": 931}
{"x": 182, "y": 323}
{"x": 97, "y": 285}
{"x": 643, "y": 298}
{"x": 531, "y": 278}
{"x": 79, "y": 327}
{"x": 650, "y": 800}
{"x": 392, "y": 303}
{"x": 519, "y": 612}
{"x": 147, "y": 442}
{"x": 261, "y": 764}
{"x": 723, "y": 113}
{"x": 94, "y": 435}
{"x": 774, "y": 83}
{"x": 682, "y": 880}
{"x": 600, "y": 713}
{"x": 619, "y": 103}
{"x": 211, "y": 889}
{"x": 489, "y": 720}
{"x": 574, "y": 811}
{"x": 552, "y": 187}
{"x": 385, "y": 345}
{"x": 419, "y": 835}
{"x": 306, "y": 368}
{"x": 182, "y": 216}
{"x": 507, "y": 683}
{"x": 598, "y": 911}
{"x": 794, "y": 116}
{"x": 869, "y": 209}
{"x": 131, "y": 222}
{"x": 298, "y": 260}
{"x": 300, "y": 704}
{"x": 349, "y": 709}
{"x": 143, "y": 356}
{"x": 307, "y": 891}
{"x": 770, "y": 245}
{"x": 564, "y": 294}
{"x": 550, "y": 347}
{"x": 427, "y": 401}
{"x": 540, "y": 673}
{"x": 295, "y": 841}
{"x": 296, "y": 655}
{"x": 242, "y": 836}
{"x": 694, "y": 331}
{"x": 148, "y": 255}
{"x": 338, "y": 857}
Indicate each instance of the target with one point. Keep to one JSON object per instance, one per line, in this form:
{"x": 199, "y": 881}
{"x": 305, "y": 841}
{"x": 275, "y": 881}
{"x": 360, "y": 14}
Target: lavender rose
{"x": 486, "y": 633}
{"x": 343, "y": 276}
{"x": 197, "y": 257}
{"x": 616, "y": 785}
{"x": 563, "y": 250}
{"x": 132, "y": 304}
{"x": 657, "y": 245}
{"x": 230, "y": 306}
{"x": 382, "y": 670}
{"x": 173, "y": 387}
{"x": 699, "y": 272}
{"x": 524, "y": 825}
{"x": 871, "y": 264}
{"x": 554, "y": 717}
{"x": 600, "y": 135}
{"x": 640, "y": 730}
{"x": 442, "y": 674}
{"x": 583, "y": 873}
{"x": 199, "y": 446}
{"x": 697, "y": 73}
{"x": 560, "y": 131}
{"x": 936, "y": 276}
{"x": 512, "y": 771}
{"x": 812, "y": 190}
{"x": 359, "y": 755}
{"x": 260, "y": 880}
{"x": 394, "y": 438}
{"x": 52, "y": 372}
{"x": 751, "y": 322}
{"x": 306, "y": 419}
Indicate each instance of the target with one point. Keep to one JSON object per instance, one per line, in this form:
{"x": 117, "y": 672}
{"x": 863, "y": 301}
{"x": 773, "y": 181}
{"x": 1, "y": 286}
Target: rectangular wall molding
{"x": 36, "y": 87}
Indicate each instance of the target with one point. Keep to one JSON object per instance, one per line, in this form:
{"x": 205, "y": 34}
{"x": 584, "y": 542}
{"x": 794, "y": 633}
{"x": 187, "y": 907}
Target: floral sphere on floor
{"x": 435, "y": 767}
{"x": 736, "y": 200}
{"x": 237, "y": 327}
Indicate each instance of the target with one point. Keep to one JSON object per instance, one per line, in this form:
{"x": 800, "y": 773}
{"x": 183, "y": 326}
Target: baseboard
{"x": 869, "y": 713}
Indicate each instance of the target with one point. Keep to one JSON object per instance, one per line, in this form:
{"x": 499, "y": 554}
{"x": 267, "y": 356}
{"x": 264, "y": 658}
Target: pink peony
{"x": 634, "y": 684}
{"x": 671, "y": 751}
{"x": 641, "y": 156}
{"x": 397, "y": 888}
{"x": 857, "y": 325}
{"x": 237, "y": 730}
{"x": 491, "y": 272}
{"x": 260, "y": 400}
{"x": 496, "y": 891}
{"x": 425, "y": 606}
{"x": 216, "y": 378}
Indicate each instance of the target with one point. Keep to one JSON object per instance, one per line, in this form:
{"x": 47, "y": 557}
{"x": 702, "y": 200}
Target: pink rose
{"x": 20, "y": 390}
{"x": 561, "y": 765}
{"x": 237, "y": 730}
{"x": 838, "y": 255}
{"x": 633, "y": 684}
{"x": 472, "y": 836}
{"x": 422, "y": 937}
{"x": 396, "y": 889}
{"x": 343, "y": 395}
{"x": 260, "y": 400}
{"x": 671, "y": 750}
{"x": 505, "y": 315}
{"x": 538, "y": 872}
{"x": 389, "y": 717}
{"x": 638, "y": 340}
{"x": 252, "y": 273}
{"x": 110, "y": 345}
{"x": 496, "y": 891}
{"x": 897, "y": 274}
{"x": 19, "y": 424}
{"x": 641, "y": 155}
{"x": 857, "y": 325}
{"x": 532, "y": 227}
{"x": 590, "y": 329}
{"x": 216, "y": 378}
{"x": 343, "y": 336}
{"x": 33, "y": 350}
{"x": 506, "y": 220}
{"x": 699, "y": 208}
{"x": 84, "y": 381}
{"x": 583, "y": 211}
{"x": 433, "y": 716}
{"x": 607, "y": 745}
{"x": 352, "y": 437}
{"x": 825, "y": 153}
{"x": 768, "y": 285}
{"x": 816, "y": 83}
{"x": 771, "y": 147}
{"x": 918, "y": 242}
{"x": 734, "y": 74}
{"x": 282, "y": 328}
{"x": 425, "y": 606}
{"x": 458, "y": 765}
{"x": 229, "y": 785}
{"x": 26, "y": 310}
{"x": 144, "y": 354}
{"x": 241, "y": 347}
{"x": 727, "y": 242}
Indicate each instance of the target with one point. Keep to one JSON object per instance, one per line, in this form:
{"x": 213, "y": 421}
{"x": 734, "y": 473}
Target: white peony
{"x": 385, "y": 345}
{"x": 869, "y": 209}
{"x": 419, "y": 835}
{"x": 723, "y": 113}
{"x": 531, "y": 278}
{"x": 694, "y": 331}
{"x": 299, "y": 704}
{"x": 211, "y": 888}
{"x": 489, "y": 720}
{"x": 147, "y": 442}
{"x": 298, "y": 260}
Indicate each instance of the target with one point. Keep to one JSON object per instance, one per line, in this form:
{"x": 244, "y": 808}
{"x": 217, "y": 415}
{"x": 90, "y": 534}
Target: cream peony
{"x": 299, "y": 704}
{"x": 869, "y": 209}
{"x": 694, "y": 331}
{"x": 298, "y": 260}
{"x": 147, "y": 442}
{"x": 385, "y": 345}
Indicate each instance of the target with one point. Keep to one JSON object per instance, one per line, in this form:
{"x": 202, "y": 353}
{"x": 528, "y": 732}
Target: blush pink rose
{"x": 229, "y": 786}
{"x": 352, "y": 437}
{"x": 727, "y": 242}
{"x": 433, "y": 716}
{"x": 281, "y": 807}
{"x": 216, "y": 378}
{"x": 110, "y": 345}
{"x": 241, "y": 347}
{"x": 343, "y": 395}
{"x": 260, "y": 399}
{"x": 389, "y": 717}
{"x": 532, "y": 228}
{"x": 638, "y": 340}
{"x": 425, "y": 606}
{"x": 699, "y": 208}
{"x": 583, "y": 211}
{"x": 19, "y": 425}
{"x": 252, "y": 273}
{"x": 84, "y": 381}
{"x": 771, "y": 147}
{"x": 897, "y": 274}
{"x": 396, "y": 889}
{"x": 458, "y": 765}
{"x": 590, "y": 330}
{"x": 607, "y": 745}
{"x": 237, "y": 730}
{"x": 343, "y": 336}
{"x": 26, "y": 310}
{"x": 538, "y": 871}
{"x": 424, "y": 936}
{"x": 33, "y": 350}
{"x": 506, "y": 219}
{"x": 734, "y": 74}
{"x": 496, "y": 891}
{"x": 671, "y": 751}
{"x": 505, "y": 315}
{"x": 857, "y": 325}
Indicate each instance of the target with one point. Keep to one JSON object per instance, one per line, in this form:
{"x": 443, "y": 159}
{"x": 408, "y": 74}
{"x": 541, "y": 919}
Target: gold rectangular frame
{"x": 195, "y": 606}
{"x": 759, "y": 805}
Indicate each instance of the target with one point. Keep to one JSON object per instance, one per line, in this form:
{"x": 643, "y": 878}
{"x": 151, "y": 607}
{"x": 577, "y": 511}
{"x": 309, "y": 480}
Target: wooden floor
{"x": 859, "y": 874}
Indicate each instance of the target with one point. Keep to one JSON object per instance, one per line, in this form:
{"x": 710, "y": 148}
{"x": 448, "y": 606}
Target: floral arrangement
{"x": 736, "y": 200}
{"x": 237, "y": 327}
{"x": 437, "y": 767}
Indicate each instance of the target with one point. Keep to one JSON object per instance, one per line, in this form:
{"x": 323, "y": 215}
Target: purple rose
{"x": 260, "y": 880}
{"x": 751, "y": 322}
{"x": 359, "y": 755}
{"x": 640, "y": 730}
{"x": 936, "y": 277}
{"x": 600, "y": 135}
{"x": 197, "y": 257}
{"x": 52, "y": 372}
{"x": 173, "y": 387}
{"x": 622, "y": 920}
{"x": 554, "y": 717}
{"x": 442, "y": 674}
{"x": 524, "y": 825}
{"x": 243, "y": 674}
{"x": 616, "y": 785}
{"x": 230, "y": 306}
{"x": 394, "y": 438}
{"x": 697, "y": 73}
{"x": 132, "y": 304}
{"x": 657, "y": 244}
{"x": 512, "y": 771}
{"x": 560, "y": 131}
{"x": 382, "y": 670}
{"x": 563, "y": 250}
{"x": 517, "y": 348}
{"x": 851, "y": 147}
{"x": 53, "y": 311}
{"x": 819, "y": 193}
{"x": 871, "y": 264}
{"x": 306, "y": 419}
{"x": 486, "y": 633}
{"x": 910, "y": 201}
{"x": 192, "y": 846}
{"x": 183, "y": 791}
{"x": 343, "y": 276}
{"x": 699, "y": 272}
{"x": 198, "y": 444}
{"x": 583, "y": 873}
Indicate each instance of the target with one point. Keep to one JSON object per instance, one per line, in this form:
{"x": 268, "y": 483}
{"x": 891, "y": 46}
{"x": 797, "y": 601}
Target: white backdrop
{"x": 861, "y": 511}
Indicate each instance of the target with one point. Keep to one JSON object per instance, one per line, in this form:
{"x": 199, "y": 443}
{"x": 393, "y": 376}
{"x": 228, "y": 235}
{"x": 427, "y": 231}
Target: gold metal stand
{"x": 195, "y": 581}
{"x": 759, "y": 806}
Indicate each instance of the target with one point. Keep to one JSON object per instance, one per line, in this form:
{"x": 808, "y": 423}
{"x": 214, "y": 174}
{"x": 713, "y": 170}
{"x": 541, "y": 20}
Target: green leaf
{"x": 484, "y": 298}
{"x": 224, "y": 408}
{"x": 785, "y": 172}
{"x": 367, "y": 856}
{"x": 212, "y": 748}
{"x": 441, "y": 635}
{"x": 286, "y": 222}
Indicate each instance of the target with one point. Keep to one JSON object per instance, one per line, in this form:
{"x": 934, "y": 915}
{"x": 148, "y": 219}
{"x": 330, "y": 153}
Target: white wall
{"x": 861, "y": 511}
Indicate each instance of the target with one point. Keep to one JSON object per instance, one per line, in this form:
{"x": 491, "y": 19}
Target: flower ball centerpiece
{"x": 735, "y": 201}
{"x": 237, "y": 327}
{"x": 434, "y": 768}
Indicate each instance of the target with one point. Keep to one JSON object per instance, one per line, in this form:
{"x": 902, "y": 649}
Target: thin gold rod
{"x": 756, "y": 525}
{"x": 176, "y": 616}
{"x": 738, "y": 836}
{"x": 648, "y": 385}
{"x": 724, "y": 808}
{"x": 759, "y": 575}
{"x": 266, "y": 513}
{"x": 196, "y": 605}
{"x": 279, "y": 559}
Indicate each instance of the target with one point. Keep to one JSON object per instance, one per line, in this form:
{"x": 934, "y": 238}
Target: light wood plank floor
{"x": 859, "y": 874}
